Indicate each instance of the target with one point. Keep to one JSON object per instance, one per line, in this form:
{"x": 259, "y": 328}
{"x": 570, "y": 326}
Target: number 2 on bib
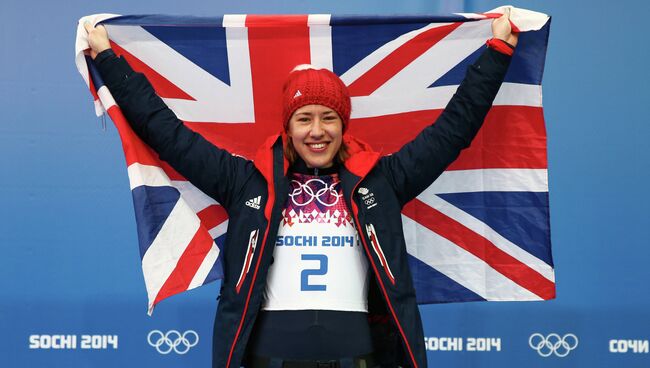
{"x": 321, "y": 270}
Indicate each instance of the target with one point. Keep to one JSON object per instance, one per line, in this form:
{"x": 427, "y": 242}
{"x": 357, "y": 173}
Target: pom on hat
{"x": 308, "y": 85}
{"x": 303, "y": 67}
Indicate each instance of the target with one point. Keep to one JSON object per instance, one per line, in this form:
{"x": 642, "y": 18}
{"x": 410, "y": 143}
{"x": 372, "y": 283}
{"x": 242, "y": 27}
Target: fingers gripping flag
{"x": 480, "y": 232}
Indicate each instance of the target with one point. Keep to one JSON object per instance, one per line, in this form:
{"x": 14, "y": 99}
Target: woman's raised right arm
{"x": 213, "y": 170}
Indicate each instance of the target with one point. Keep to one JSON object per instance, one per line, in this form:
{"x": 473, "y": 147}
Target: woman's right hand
{"x": 97, "y": 39}
{"x": 502, "y": 29}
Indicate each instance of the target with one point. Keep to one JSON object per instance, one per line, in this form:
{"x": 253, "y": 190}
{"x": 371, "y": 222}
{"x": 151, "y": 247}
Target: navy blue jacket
{"x": 391, "y": 180}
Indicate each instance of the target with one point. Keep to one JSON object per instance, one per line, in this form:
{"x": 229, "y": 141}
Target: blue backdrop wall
{"x": 70, "y": 263}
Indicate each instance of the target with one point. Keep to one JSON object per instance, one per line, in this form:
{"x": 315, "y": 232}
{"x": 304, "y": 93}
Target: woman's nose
{"x": 316, "y": 129}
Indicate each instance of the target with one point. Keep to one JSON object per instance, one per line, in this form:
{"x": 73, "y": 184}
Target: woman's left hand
{"x": 502, "y": 30}
{"x": 98, "y": 39}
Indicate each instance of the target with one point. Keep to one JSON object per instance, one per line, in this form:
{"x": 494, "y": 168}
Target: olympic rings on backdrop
{"x": 553, "y": 344}
{"x": 173, "y": 340}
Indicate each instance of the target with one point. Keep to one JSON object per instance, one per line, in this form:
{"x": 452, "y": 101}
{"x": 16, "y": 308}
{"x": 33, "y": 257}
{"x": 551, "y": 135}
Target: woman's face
{"x": 316, "y": 132}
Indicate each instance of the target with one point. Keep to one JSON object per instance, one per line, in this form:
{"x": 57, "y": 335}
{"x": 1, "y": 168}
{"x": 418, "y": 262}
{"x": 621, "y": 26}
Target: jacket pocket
{"x": 248, "y": 259}
{"x": 374, "y": 241}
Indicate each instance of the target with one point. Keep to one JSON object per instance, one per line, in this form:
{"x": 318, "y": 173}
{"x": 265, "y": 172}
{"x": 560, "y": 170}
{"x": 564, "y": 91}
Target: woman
{"x": 316, "y": 271}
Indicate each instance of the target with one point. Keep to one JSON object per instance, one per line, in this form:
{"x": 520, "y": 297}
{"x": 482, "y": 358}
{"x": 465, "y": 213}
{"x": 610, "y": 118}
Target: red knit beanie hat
{"x": 307, "y": 85}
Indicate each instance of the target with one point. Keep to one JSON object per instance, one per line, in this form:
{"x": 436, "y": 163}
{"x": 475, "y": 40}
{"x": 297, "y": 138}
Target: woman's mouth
{"x": 317, "y": 147}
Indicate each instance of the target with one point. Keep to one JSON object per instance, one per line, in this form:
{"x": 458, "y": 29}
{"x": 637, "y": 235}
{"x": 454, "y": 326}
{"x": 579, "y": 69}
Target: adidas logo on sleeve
{"x": 254, "y": 202}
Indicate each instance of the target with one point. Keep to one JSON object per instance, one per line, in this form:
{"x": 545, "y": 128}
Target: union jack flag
{"x": 480, "y": 232}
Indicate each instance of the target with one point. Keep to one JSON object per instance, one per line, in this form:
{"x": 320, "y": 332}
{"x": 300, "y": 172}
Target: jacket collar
{"x": 362, "y": 157}
{"x": 264, "y": 156}
{"x": 300, "y": 167}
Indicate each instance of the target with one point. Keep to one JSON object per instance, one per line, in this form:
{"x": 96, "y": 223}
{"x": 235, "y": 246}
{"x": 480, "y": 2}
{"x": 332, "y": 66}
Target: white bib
{"x": 318, "y": 261}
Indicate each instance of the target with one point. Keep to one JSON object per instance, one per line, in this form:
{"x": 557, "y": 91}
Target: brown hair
{"x": 291, "y": 154}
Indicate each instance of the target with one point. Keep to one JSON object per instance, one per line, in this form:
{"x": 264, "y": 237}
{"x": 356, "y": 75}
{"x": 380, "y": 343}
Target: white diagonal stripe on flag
{"x": 485, "y": 231}
{"x": 235, "y": 100}
{"x": 378, "y": 55}
{"x": 437, "y": 60}
{"x": 459, "y": 265}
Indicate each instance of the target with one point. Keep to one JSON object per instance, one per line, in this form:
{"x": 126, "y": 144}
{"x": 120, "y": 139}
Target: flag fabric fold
{"x": 480, "y": 232}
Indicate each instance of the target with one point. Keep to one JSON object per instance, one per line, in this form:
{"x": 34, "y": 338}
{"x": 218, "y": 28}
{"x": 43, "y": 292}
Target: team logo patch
{"x": 367, "y": 197}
